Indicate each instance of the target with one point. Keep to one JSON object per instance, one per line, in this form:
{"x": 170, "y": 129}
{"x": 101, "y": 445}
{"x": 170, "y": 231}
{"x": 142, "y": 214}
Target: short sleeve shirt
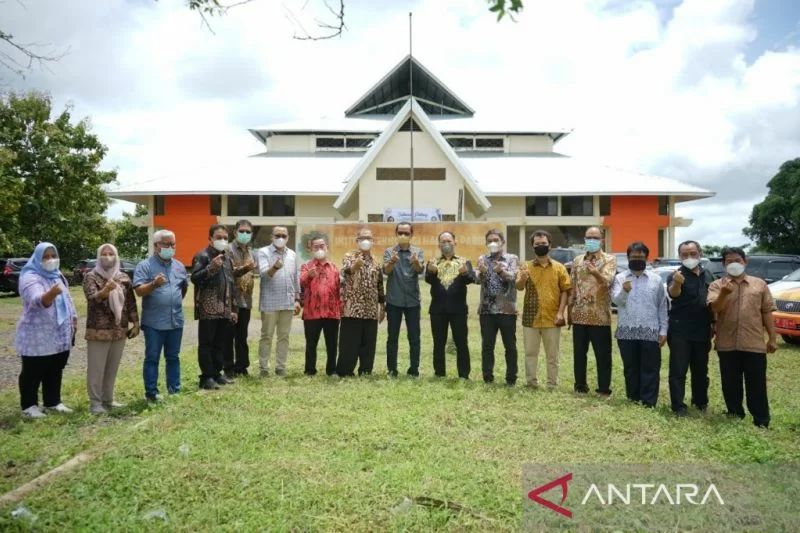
{"x": 543, "y": 293}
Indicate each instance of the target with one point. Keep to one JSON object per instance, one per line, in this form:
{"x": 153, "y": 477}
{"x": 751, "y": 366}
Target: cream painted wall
{"x": 506, "y": 207}
{"x": 529, "y": 143}
{"x": 315, "y": 207}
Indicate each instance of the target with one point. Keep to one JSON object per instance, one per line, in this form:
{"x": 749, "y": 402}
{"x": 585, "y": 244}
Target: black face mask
{"x": 637, "y": 265}
{"x": 541, "y": 250}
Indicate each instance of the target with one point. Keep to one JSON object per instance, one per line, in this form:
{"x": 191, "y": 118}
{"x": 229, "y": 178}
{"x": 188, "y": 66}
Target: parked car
{"x": 665, "y": 262}
{"x": 715, "y": 266}
{"x": 622, "y": 262}
{"x": 786, "y": 293}
{"x": 9, "y": 273}
{"x": 86, "y": 265}
{"x": 772, "y": 268}
{"x": 565, "y": 256}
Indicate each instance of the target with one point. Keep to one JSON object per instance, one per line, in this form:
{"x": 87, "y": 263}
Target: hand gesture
{"x": 725, "y": 287}
{"x": 772, "y": 346}
{"x": 482, "y": 266}
{"x": 415, "y": 259}
{"x": 395, "y": 257}
{"x": 432, "y": 268}
{"x": 358, "y": 263}
{"x": 523, "y": 274}
{"x": 463, "y": 269}
{"x": 498, "y": 268}
{"x": 591, "y": 267}
{"x": 217, "y": 261}
{"x": 110, "y": 286}
{"x": 627, "y": 286}
{"x": 55, "y": 290}
{"x": 159, "y": 280}
{"x": 249, "y": 265}
{"x": 312, "y": 272}
{"x": 678, "y": 278}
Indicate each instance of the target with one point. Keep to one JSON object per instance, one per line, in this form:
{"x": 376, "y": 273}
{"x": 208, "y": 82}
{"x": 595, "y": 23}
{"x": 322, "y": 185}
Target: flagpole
{"x": 411, "y": 115}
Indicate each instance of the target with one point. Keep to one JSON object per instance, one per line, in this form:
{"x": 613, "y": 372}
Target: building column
{"x": 522, "y": 243}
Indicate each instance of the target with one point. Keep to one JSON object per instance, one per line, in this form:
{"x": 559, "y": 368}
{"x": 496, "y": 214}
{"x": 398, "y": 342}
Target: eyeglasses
{"x": 167, "y": 244}
{"x": 281, "y": 236}
{"x": 245, "y": 231}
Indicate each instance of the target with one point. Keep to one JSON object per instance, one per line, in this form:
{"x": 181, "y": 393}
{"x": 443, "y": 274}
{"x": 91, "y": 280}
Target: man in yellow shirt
{"x": 546, "y": 284}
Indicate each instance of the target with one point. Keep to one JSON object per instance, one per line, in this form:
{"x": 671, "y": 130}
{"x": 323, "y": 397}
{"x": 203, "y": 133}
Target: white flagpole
{"x": 411, "y": 117}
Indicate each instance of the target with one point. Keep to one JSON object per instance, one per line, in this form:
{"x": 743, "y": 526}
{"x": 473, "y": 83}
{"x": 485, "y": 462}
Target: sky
{"x": 704, "y": 91}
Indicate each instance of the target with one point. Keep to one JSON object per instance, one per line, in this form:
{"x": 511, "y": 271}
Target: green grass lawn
{"x": 323, "y": 454}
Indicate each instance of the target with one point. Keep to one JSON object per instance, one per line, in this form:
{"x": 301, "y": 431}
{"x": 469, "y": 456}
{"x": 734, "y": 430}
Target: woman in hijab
{"x": 111, "y": 318}
{"x": 45, "y": 331}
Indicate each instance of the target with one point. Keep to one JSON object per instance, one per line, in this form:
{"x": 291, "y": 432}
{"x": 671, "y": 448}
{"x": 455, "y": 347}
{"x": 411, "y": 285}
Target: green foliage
{"x": 130, "y": 239}
{"x": 714, "y": 250}
{"x": 775, "y": 222}
{"x": 505, "y": 7}
{"x": 51, "y": 187}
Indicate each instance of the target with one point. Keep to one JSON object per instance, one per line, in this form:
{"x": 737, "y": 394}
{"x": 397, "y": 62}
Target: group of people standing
{"x": 346, "y": 307}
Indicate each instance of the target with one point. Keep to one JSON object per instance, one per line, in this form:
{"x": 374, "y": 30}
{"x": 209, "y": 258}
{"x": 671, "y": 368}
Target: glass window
{"x": 577, "y": 206}
{"x": 278, "y": 206}
{"x": 494, "y": 144}
{"x": 375, "y": 217}
{"x": 777, "y": 269}
{"x": 359, "y": 143}
{"x": 242, "y": 206}
{"x": 330, "y": 142}
{"x": 215, "y": 204}
{"x": 159, "y": 205}
{"x": 461, "y": 143}
{"x": 605, "y": 206}
{"x": 663, "y": 205}
{"x": 541, "y": 206}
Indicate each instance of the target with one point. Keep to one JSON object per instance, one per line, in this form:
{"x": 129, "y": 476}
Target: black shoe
{"x": 242, "y": 372}
{"x": 413, "y": 372}
{"x": 392, "y": 373}
{"x": 208, "y": 384}
{"x": 682, "y": 413}
{"x": 581, "y": 389}
{"x": 702, "y": 408}
{"x": 223, "y": 380}
{"x": 230, "y": 374}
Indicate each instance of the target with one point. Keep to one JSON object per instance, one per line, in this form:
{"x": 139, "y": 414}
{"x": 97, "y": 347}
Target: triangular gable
{"x": 388, "y": 95}
{"x": 394, "y": 126}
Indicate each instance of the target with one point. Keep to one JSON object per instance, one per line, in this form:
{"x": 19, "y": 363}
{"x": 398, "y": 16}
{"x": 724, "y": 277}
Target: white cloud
{"x": 672, "y": 96}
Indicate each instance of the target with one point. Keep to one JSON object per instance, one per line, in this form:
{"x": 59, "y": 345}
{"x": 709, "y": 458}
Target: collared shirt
{"x": 740, "y": 326}
{"x": 214, "y": 289}
{"x": 38, "y": 330}
{"x": 322, "y": 293}
{"x": 590, "y": 301}
{"x": 498, "y": 291}
{"x": 642, "y": 312}
{"x": 245, "y": 281}
{"x": 402, "y": 283}
{"x": 689, "y": 315}
{"x": 363, "y": 289}
{"x": 162, "y": 309}
{"x": 279, "y": 292}
{"x": 543, "y": 292}
{"x": 449, "y": 285}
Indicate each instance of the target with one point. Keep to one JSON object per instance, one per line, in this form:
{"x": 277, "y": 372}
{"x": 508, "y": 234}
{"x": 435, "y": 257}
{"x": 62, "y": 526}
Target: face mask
{"x": 592, "y": 245}
{"x": 220, "y": 244}
{"x": 166, "y": 253}
{"x": 447, "y": 249}
{"x": 365, "y": 245}
{"x": 690, "y": 263}
{"x": 51, "y": 265}
{"x": 493, "y": 247}
{"x": 541, "y": 250}
{"x": 403, "y": 239}
{"x": 243, "y": 238}
{"x": 637, "y": 265}
{"x": 735, "y": 269}
{"x": 108, "y": 261}
{"x": 279, "y": 243}
{"x": 320, "y": 254}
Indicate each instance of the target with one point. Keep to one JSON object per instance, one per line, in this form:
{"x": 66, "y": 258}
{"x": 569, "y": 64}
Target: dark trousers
{"x": 357, "y": 339}
{"x": 733, "y": 366}
{"x": 458, "y": 326}
{"x": 685, "y": 354}
{"x": 641, "y": 364}
{"x": 211, "y": 336}
{"x": 600, "y": 338}
{"x": 507, "y": 326}
{"x": 313, "y": 329}
{"x": 45, "y": 370}
{"x": 237, "y": 352}
{"x": 394, "y": 316}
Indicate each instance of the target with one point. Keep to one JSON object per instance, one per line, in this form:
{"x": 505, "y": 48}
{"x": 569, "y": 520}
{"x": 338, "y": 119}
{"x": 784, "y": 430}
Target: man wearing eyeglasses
{"x": 161, "y": 282}
{"x": 245, "y": 263}
{"x": 279, "y": 299}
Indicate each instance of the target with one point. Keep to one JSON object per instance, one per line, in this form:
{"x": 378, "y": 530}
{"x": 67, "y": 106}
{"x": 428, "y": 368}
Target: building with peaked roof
{"x": 469, "y": 168}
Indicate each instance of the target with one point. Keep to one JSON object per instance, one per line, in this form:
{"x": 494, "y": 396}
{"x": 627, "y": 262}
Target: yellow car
{"x": 786, "y": 293}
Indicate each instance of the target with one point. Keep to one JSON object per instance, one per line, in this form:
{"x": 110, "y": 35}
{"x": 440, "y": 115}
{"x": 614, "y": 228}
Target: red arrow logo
{"x": 560, "y": 482}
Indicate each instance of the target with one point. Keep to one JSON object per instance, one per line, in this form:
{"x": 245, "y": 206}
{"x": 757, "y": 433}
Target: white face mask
{"x": 365, "y": 245}
{"x": 690, "y": 263}
{"x": 735, "y": 269}
{"x": 108, "y": 261}
{"x": 493, "y": 247}
{"x": 279, "y": 243}
{"x": 220, "y": 244}
{"x": 51, "y": 265}
{"x": 320, "y": 254}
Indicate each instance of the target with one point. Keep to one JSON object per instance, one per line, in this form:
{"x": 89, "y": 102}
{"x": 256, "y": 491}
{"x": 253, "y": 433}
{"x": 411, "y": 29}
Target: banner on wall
{"x": 470, "y": 238}
{"x": 394, "y": 214}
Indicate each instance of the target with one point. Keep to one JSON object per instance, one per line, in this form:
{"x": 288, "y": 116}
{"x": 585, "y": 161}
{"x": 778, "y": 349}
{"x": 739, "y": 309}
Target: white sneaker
{"x": 113, "y": 405}
{"x": 60, "y": 408}
{"x": 33, "y": 412}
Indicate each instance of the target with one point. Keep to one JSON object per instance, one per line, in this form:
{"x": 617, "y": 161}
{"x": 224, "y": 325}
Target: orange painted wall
{"x": 635, "y": 218}
{"x": 189, "y": 217}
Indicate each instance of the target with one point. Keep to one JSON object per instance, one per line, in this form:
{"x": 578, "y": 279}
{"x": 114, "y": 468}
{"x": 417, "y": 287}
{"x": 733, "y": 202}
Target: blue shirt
{"x": 402, "y": 285}
{"x": 162, "y": 309}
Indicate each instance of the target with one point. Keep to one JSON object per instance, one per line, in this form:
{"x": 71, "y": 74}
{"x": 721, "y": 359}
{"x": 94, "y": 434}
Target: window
{"x": 278, "y": 206}
{"x": 406, "y": 126}
{"x": 448, "y": 218}
{"x": 375, "y": 217}
{"x": 663, "y": 205}
{"x": 242, "y": 206}
{"x": 461, "y": 143}
{"x": 541, "y": 206}
{"x": 605, "y": 206}
{"x": 577, "y": 206}
{"x": 404, "y": 174}
{"x": 660, "y": 243}
{"x": 159, "y": 206}
{"x": 483, "y": 144}
{"x": 495, "y": 144}
{"x": 216, "y": 204}
{"x": 358, "y": 143}
{"x": 777, "y": 269}
{"x": 330, "y": 143}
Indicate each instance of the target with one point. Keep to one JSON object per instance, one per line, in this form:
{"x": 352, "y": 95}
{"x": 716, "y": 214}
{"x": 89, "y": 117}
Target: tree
{"x": 130, "y": 239}
{"x": 52, "y": 187}
{"x": 775, "y": 222}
